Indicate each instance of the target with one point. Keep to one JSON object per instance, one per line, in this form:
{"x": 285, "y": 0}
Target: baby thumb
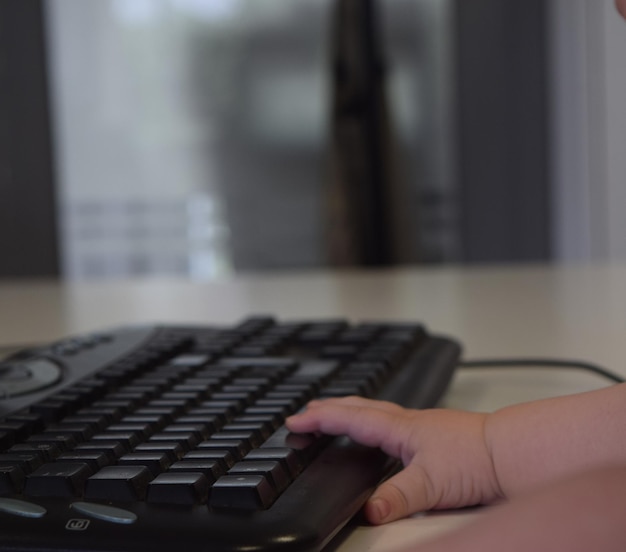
{"x": 404, "y": 494}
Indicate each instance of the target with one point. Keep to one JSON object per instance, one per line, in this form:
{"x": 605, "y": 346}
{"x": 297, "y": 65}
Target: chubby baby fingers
{"x": 369, "y": 426}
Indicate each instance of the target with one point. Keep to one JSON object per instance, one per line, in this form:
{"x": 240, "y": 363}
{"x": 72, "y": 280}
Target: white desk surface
{"x": 576, "y": 312}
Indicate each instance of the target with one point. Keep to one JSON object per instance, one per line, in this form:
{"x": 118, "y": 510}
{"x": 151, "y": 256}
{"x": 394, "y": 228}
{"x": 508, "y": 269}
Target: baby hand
{"x": 447, "y": 463}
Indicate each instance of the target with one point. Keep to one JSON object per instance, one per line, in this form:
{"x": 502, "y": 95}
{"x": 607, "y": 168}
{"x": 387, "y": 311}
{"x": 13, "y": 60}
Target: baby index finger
{"x": 369, "y": 426}
{"x": 355, "y": 400}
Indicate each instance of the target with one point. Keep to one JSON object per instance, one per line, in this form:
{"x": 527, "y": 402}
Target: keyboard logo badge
{"x": 77, "y": 524}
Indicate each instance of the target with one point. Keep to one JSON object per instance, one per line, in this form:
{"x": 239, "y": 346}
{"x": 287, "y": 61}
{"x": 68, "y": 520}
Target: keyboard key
{"x": 33, "y": 423}
{"x": 236, "y": 448}
{"x": 305, "y": 445}
{"x": 242, "y": 492}
{"x": 277, "y": 412}
{"x": 7, "y": 438}
{"x": 345, "y": 389}
{"x": 374, "y": 372}
{"x": 228, "y": 408}
{"x": 285, "y": 406}
{"x": 340, "y": 352}
{"x": 11, "y": 478}
{"x": 357, "y": 336}
{"x": 211, "y": 469}
{"x": 176, "y": 406}
{"x": 260, "y": 429}
{"x": 19, "y": 430}
{"x": 94, "y": 459}
{"x": 123, "y": 483}
{"x": 252, "y": 351}
{"x": 110, "y": 414}
{"x": 317, "y": 337}
{"x": 46, "y": 451}
{"x": 64, "y": 441}
{"x": 179, "y": 488}
{"x": 173, "y": 449}
{"x": 273, "y": 368}
{"x": 199, "y": 430}
{"x": 251, "y": 391}
{"x": 273, "y": 422}
{"x": 251, "y": 438}
{"x": 302, "y": 390}
{"x": 239, "y": 400}
{"x": 186, "y": 439}
{"x": 272, "y": 470}
{"x": 113, "y": 449}
{"x": 50, "y": 410}
{"x": 215, "y": 416}
{"x": 80, "y": 431}
{"x": 141, "y": 430}
{"x": 209, "y": 423}
{"x": 259, "y": 384}
{"x": 61, "y": 479}
{"x": 119, "y": 407}
{"x": 223, "y": 457}
{"x": 188, "y": 398}
{"x": 165, "y": 415}
{"x": 190, "y": 360}
{"x": 27, "y": 461}
{"x": 320, "y": 371}
{"x": 286, "y": 456}
{"x": 253, "y": 325}
{"x": 293, "y": 400}
{"x": 152, "y": 422}
{"x": 156, "y": 462}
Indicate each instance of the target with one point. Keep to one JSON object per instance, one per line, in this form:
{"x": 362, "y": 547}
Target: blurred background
{"x": 199, "y": 138}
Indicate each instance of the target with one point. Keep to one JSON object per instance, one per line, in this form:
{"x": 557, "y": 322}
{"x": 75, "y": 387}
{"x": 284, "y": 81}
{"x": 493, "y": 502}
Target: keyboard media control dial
{"x": 27, "y": 376}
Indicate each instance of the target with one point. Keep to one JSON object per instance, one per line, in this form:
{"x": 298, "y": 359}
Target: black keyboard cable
{"x": 542, "y": 363}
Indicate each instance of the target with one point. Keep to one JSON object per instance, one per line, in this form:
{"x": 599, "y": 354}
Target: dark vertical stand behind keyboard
{"x": 152, "y": 438}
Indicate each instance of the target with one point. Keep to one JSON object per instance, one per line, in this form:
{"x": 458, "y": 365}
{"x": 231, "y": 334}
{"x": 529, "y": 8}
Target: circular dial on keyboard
{"x": 27, "y": 376}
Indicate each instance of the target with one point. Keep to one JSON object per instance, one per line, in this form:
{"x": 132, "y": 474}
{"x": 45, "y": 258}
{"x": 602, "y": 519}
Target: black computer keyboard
{"x": 151, "y": 438}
